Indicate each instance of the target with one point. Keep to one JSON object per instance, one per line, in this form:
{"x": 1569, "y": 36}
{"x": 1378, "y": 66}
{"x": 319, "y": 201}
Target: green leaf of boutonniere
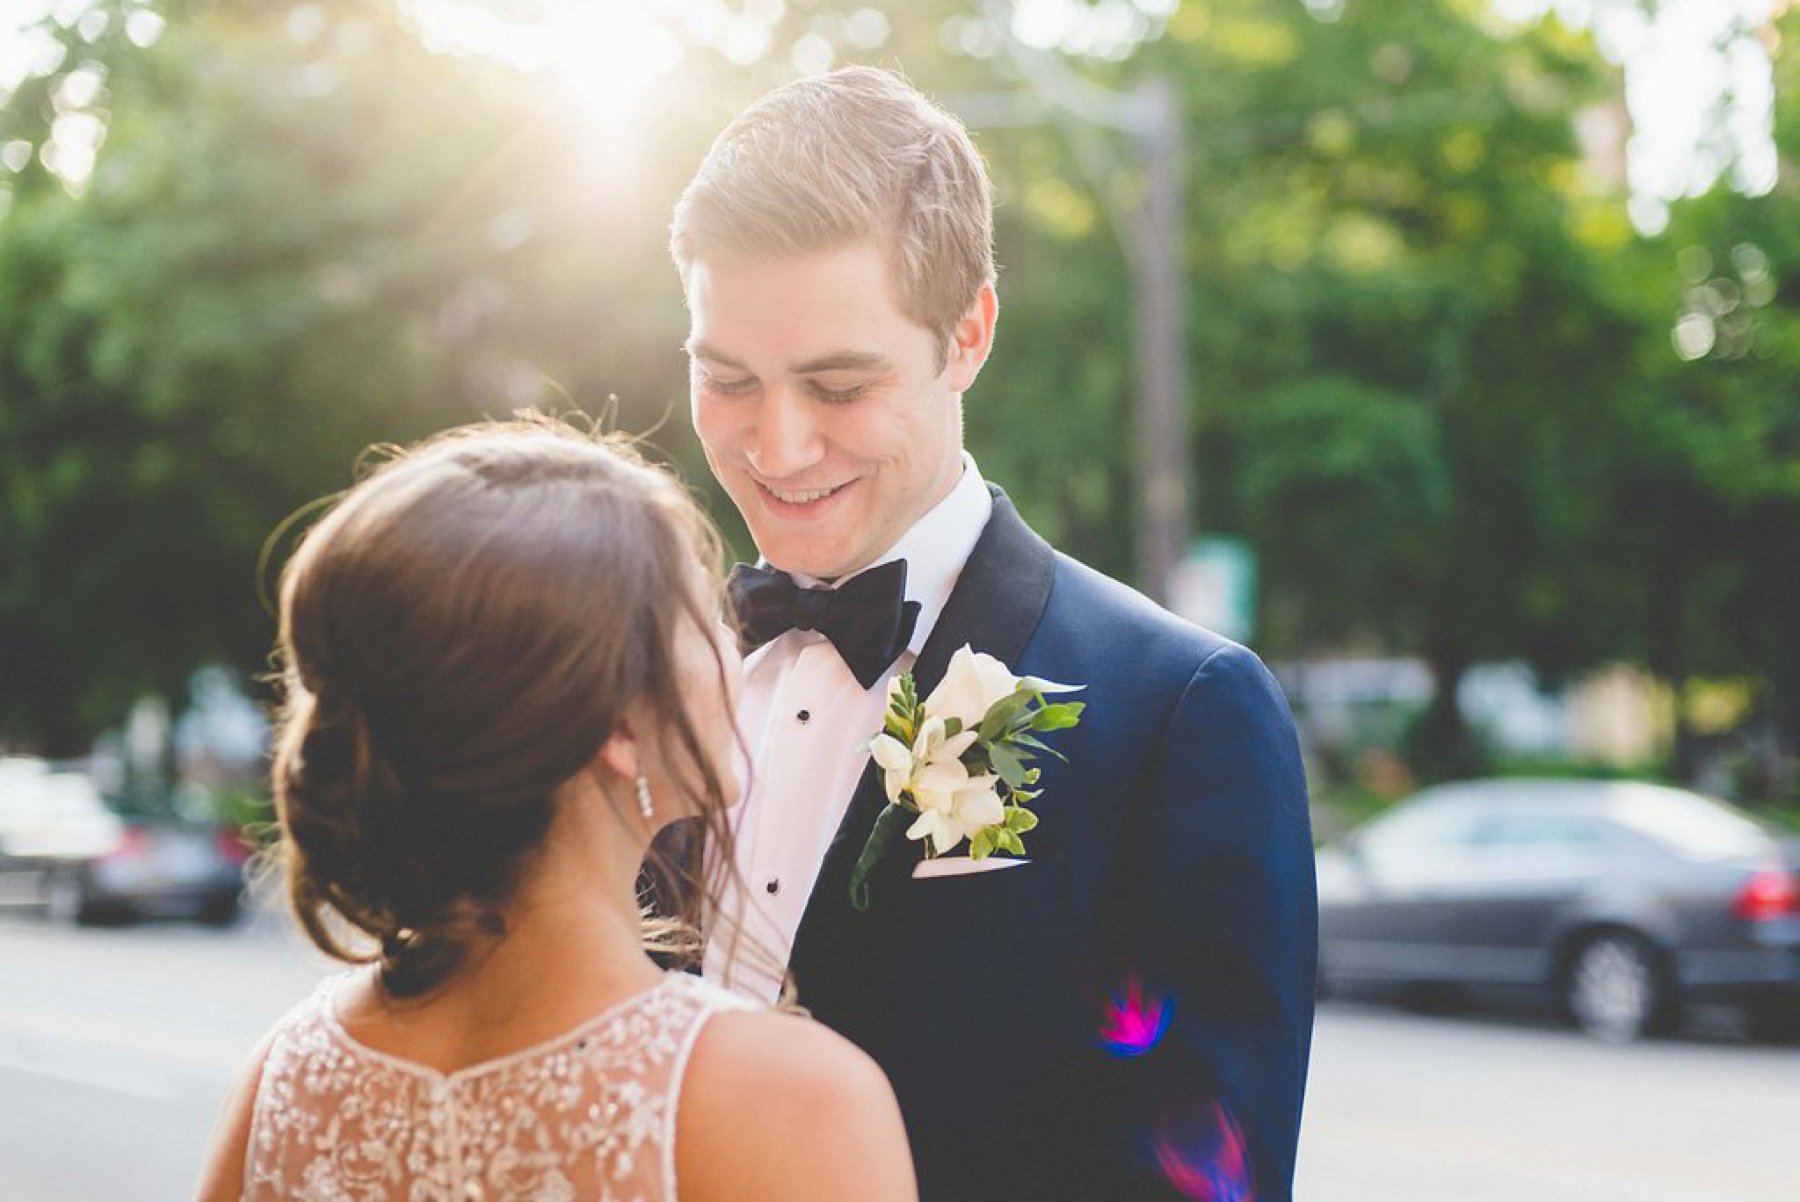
{"x": 892, "y": 819}
{"x": 1008, "y": 765}
{"x": 1001, "y": 715}
{"x": 958, "y": 765}
{"x": 1059, "y": 716}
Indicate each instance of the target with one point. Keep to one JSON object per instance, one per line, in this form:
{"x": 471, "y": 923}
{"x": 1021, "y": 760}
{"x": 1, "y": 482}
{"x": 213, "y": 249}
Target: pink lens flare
{"x": 1202, "y": 1154}
{"x": 1134, "y": 1024}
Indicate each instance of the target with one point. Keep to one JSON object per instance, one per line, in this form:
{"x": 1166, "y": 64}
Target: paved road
{"x": 118, "y": 1046}
{"x": 1402, "y": 1107}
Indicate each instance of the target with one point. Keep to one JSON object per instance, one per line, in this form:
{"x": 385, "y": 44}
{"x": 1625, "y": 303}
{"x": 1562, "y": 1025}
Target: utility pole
{"x": 1161, "y": 299}
{"x": 1149, "y": 228}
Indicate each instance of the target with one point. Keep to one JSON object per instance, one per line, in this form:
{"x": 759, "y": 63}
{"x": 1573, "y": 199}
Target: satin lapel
{"x": 995, "y": 608}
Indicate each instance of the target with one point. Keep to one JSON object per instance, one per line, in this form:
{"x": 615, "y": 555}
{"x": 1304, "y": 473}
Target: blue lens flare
{"x": 1133, "y": 1024}
{"x": 1201, "y": 1153}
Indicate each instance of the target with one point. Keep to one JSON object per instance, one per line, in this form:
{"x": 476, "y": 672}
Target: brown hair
{"x": 459, "y": 637}
{"x": 855, "y": 154}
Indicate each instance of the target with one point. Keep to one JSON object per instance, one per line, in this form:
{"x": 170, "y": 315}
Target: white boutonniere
{"x": 957, "y": 766}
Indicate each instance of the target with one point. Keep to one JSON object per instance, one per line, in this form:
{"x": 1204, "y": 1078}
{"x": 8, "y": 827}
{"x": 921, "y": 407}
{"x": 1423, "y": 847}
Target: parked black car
{"x": 1624, "y": 900}
{"x": 80, "y": 857}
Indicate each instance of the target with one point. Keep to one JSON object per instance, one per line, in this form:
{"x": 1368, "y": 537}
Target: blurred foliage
{"x": 1700, "y": 547}
{"x": 303, "y": 237}
{"x": 1435, "y": 374}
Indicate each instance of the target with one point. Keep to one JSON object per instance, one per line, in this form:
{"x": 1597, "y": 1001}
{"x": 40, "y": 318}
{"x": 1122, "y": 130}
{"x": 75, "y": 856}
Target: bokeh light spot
{"x": 145, "y": 28}
{"x": 812, "y": 54}
{"x": 1694, "y": 336}
{"x": 867, "y": 28}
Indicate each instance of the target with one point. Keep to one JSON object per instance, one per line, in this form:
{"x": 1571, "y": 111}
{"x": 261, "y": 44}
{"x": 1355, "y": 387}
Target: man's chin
{"x": 813, "y": 562}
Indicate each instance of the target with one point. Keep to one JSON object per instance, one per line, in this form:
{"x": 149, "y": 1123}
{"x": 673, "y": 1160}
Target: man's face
{"x": 824, "y": 409}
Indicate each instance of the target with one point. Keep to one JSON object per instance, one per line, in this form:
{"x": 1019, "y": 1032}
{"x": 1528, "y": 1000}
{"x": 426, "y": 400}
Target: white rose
{"x": 972, "y": 683}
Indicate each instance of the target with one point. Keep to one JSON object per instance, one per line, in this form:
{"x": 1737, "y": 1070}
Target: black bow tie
{"x": 867, "y": 618}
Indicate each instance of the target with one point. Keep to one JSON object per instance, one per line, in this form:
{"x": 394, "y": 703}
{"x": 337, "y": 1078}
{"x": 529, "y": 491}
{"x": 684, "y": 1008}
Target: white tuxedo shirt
{"x": 807, "y": 725}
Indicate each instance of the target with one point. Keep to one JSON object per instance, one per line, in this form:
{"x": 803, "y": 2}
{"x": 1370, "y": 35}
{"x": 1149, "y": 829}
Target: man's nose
{"x": 787, "y": 439}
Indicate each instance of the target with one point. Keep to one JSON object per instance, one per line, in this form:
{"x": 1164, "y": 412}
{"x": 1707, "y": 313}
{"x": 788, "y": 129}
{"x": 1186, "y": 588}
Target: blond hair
{"x": 856, "y": 154}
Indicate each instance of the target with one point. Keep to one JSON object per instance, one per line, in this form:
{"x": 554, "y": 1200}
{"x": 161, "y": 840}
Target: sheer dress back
{"x": 586, "y": 1117}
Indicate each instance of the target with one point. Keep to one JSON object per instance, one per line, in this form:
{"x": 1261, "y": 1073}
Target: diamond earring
{"x": 645, "y": 806}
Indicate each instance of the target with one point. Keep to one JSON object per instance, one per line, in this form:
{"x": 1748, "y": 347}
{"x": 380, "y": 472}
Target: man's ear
{"x": 972, "y": 338}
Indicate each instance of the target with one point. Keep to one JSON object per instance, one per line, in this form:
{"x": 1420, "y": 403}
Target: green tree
{"x": 302, "y": 237}
{"x": 1403, "y": 342}
{"x": 1703, "y": 541}
{"x": 1431, "y": 362}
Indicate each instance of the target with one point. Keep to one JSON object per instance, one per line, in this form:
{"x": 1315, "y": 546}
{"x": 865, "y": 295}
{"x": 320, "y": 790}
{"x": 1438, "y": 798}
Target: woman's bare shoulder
{"x": 222, "y": 1176}
{"x": 778, "y": 1106}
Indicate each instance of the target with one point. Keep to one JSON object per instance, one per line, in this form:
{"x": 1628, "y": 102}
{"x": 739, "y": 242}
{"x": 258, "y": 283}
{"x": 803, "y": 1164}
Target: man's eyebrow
{"x": 831, "y": 361}
{"x": 842, "y": 361}
{"x": 700, "y": 349}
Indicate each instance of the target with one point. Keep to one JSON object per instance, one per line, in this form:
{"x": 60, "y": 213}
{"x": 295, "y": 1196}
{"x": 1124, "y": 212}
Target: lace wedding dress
{"x": 589, "y": 1115}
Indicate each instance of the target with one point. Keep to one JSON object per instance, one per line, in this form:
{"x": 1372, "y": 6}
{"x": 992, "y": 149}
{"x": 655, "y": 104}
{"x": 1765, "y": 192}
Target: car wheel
{"x": 1439, "y": 999}
{"x": 65, "y": 901}
{"x": 1615, "y": 988}
{"x": 1774, "y": 1019}
{"x": 220, "y": 911}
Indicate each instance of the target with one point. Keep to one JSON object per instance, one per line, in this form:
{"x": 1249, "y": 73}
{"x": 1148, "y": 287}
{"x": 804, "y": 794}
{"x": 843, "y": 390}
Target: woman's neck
{"x": 575, "y": 919}
{"x": 573, "y": 946}
{"x": 573, "y": 927}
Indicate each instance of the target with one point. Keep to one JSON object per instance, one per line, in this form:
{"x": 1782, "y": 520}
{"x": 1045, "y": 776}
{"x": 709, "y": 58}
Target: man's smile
{"x": 799, "y": 502}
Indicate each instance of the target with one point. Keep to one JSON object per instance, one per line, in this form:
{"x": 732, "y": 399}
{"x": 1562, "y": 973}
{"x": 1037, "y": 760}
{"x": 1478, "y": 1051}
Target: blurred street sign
{"x": 1214, "y": 586}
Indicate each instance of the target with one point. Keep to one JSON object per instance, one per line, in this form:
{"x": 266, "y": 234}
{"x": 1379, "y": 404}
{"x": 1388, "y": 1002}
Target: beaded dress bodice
{"x": 588, "y": 1115}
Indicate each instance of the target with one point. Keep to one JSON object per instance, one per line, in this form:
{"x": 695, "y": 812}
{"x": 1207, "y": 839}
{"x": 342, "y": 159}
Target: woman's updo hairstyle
{"x": 459, "y": 637}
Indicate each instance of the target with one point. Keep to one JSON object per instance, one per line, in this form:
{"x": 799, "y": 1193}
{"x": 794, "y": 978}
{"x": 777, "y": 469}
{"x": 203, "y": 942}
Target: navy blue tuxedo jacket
{"x": 1129, "y": 1014}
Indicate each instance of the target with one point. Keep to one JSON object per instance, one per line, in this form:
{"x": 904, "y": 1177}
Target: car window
{"x": 1418, "y": 830}
{"x": 156, "y": 804}
{"x": 1540, "y": 830}
{"x": 1689, "y": 824}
